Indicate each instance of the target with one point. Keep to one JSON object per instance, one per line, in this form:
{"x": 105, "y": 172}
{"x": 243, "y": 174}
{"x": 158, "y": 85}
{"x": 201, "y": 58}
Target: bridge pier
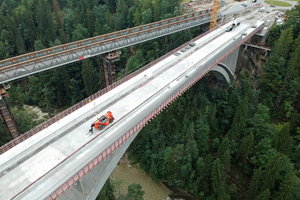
{"x": 91, "y": 184}
{"x": 224, "y": 71}
{"x": 6, "y": 114}
{"x": 107, "y": 65}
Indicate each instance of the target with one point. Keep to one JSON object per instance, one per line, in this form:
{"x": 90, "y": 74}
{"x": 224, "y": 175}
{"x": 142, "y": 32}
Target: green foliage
{"x": 283, "y": 44}
{"x": 186, "y": 145}
{"x": 109, "y": 191}
{"x": 25, "y": 120}
{"x": 239, "y": 120}
{"x": 277, "y": 167}
{"x": 218, "y": 177}
{"x": 289, "y": 187}
{"x": 255, "y": 184}
{"x": 247, "y": 147}
{"x": 202, "y": 133}
{"x": 265, "y": 195}
{"x": 80, "y": 33}
{"x": 259, "y": 123}
{"x": 282, "y": 141}
{"x": 135, "y": 62}
{"x": 90, "y": 77}
{"x": 134, "y": 192}
{"x": 147, "y": 16}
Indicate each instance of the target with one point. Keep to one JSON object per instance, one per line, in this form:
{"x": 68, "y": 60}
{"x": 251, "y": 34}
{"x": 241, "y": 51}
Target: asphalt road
{"x": 237, "y": 6}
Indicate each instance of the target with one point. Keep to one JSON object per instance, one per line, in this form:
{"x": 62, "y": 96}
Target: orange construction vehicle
{"x": 103, "y": 121}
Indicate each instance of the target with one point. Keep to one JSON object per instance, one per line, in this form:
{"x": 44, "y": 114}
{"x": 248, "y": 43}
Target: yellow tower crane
{"x": 214, "y": 14}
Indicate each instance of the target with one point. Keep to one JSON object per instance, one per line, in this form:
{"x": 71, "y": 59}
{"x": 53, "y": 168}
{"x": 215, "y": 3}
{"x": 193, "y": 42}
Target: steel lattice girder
{"x": 27, "y": 64}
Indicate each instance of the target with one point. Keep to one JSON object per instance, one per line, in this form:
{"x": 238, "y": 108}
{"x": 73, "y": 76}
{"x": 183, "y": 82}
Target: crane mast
{"x": 214, "y": 14}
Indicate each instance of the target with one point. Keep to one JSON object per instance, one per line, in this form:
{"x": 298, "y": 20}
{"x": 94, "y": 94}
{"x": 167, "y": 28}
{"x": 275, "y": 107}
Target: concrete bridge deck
{"x": 46, "y": 164}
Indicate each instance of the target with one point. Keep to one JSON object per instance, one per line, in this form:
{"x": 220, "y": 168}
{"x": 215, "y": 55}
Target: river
{"x": 124, "y": 171}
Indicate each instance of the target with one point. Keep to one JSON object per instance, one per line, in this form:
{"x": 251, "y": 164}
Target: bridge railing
{"x": 51, "y": 60}
{"x": 75, "y": 107}
{"x": 97, "y": 160}
{"x": 15, "y": 62}
{"x": 77, "y": 176}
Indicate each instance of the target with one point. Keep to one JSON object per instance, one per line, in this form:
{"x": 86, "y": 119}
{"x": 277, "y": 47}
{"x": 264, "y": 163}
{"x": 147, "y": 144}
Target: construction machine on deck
{"x": 103, "y": 121}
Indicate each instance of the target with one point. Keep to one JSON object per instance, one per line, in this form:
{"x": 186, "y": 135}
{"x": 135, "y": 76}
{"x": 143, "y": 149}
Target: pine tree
{"x": 89, "y": 77}
{"x": 240, "y": 117}
{"x": 63, "y": 37}
{"x": 130, "y": 16}
{"x": 89, "y": 22}
{"x": 135, "y": 62}
{"x": 246, "y": 148}
{"x": 46, "y": 28}
{"x": 98, "y": 28}
{"x": 3, "y": 51}
{"x": 226, "y": 160}
{"x": 260, "y": 123}
{"x": 168, "y": 161}
{"x": 109, "y": 21}
{"x": 75, "y": 91}
{"x": 218, "y": 178}
{"x": 283, "y": 44}
{"x": 57, "y": 13}
{"x": 265, "y": 195}
{"x": 282, "y": 141}
{"x": 202, "y": 133}
{"x": 134, "y": 192}
{"x": 205, "y": 174}
{"x": 255, "y": 184}
{"x": 137, "y": 18}
{"x": 147, "y": 16}
{"x": 291, "y": 74}
{"x": 80, "y": 33}
{"x": 289, "y": 188}
{"x": 276, "y": 168}
{"x": 225, "y": 145}
{"x": 156, "y": 10}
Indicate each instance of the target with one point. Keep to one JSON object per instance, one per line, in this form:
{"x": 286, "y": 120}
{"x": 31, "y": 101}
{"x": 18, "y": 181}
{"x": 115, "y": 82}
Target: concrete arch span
{"x": 222, "y": 73}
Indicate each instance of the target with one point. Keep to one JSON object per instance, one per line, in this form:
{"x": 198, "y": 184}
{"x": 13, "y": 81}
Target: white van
{"x": 278, "y": 22}
{"x": 262, "y": 9}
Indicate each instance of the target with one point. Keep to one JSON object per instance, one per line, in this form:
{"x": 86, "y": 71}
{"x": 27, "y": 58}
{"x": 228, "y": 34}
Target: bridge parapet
{"x": 191, "y": 81}
{"x": 75, "y": 107}
{"x": 86, "y": 155}
{"x": 31, "y": 63}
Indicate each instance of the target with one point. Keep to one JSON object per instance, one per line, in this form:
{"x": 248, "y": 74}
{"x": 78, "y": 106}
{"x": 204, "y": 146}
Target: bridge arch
{"x": 222, "y": 73}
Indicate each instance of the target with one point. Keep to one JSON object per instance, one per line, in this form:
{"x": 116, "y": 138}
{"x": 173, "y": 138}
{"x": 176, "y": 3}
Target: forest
{"x": 239, "y": 141}
{"x": 31, "y": 25}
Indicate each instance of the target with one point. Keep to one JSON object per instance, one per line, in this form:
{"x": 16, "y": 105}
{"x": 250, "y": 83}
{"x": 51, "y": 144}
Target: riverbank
{"x": 124, "y": 171}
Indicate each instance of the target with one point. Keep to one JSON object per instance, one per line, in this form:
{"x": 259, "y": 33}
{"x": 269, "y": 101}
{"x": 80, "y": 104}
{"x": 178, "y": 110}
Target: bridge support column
{"x": 107, "y": 65}
{"x": 224, "y": 71}
{"x": 6, "y": 114}
{"x": 90, "y": 185}
{"x": 231, "y": 60}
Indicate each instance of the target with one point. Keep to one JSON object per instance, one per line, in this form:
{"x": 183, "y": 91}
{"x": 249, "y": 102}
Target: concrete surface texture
{"x": 51, "y": 157}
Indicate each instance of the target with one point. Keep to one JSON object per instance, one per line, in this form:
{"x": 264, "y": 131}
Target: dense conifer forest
{"x": 31, "y": 25}
{"x": 240, "y": 141}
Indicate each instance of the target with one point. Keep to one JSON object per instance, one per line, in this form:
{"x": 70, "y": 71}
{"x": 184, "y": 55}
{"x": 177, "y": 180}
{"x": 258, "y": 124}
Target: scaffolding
{"x": 6, "y": 114}
{"x": 107, "y": 65}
